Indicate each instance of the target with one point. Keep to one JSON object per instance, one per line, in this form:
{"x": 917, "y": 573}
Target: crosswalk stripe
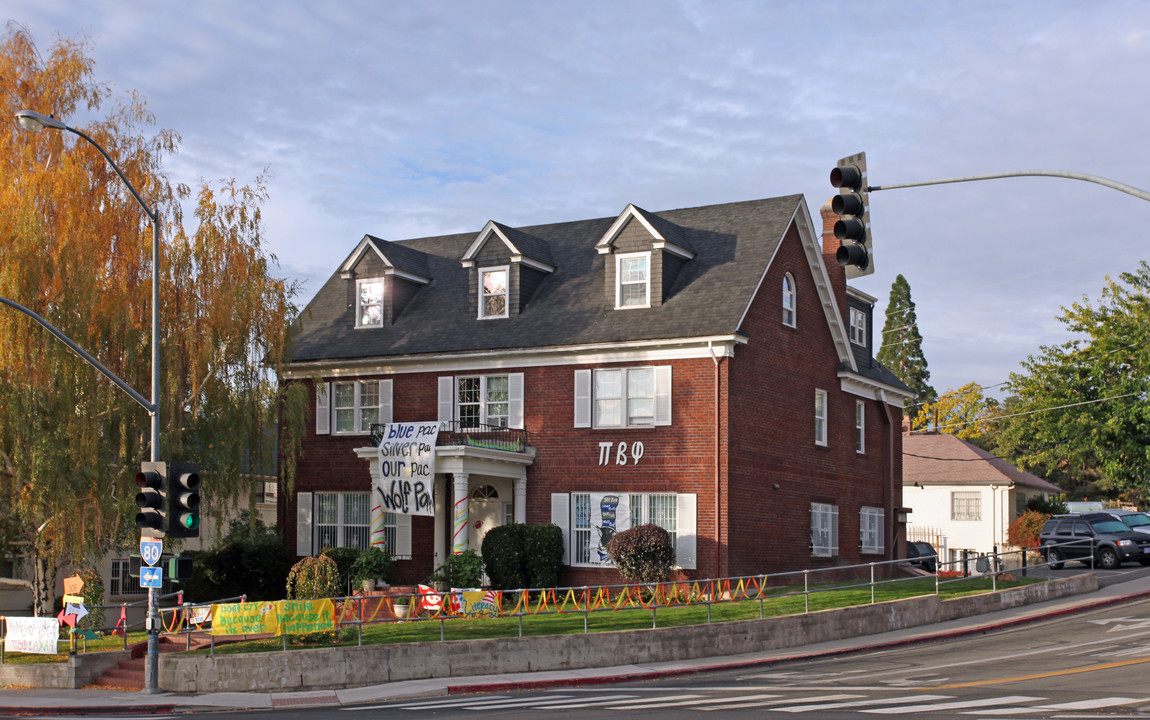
{"x": 626, "y": 704}
{"x": 432, "y": 704}
{"x": 686, "y": 703}
{"x": 957, "y": 705}
{"x": 551, "y": 704}
{"x": 1094, "y": 704}
{"x": 769, "y": 703}
{"x": 862, "y": 703}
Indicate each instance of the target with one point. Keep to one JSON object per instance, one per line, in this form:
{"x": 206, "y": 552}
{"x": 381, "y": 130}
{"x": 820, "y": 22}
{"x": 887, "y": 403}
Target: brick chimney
{"x": 831, "y": 245}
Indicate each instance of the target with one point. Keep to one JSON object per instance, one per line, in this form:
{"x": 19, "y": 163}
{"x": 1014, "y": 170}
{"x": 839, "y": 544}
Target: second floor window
{"x": 624, "y": 397}
{"x": 483, "y": 400}
{"x": 355, "y": 405}
{"x": 493, "y": 293}
{"x": 858, "y": 327}
{"x": 369, "y": 303}
{"x": 860, "y": 426}
{"x": 820, "y": 417}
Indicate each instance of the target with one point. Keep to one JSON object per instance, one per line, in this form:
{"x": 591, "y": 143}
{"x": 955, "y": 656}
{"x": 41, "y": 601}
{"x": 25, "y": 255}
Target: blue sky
{"x": 411, "y": 119}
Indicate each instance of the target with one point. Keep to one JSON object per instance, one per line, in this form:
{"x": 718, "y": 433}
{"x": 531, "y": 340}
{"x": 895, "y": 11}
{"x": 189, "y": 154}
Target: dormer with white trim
{"x": 505, "y": 268}
{"x": 382, "y": 278}
{"x": 647, "y": 253}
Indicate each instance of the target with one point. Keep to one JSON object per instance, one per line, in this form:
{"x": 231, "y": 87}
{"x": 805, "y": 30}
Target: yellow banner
{"x": 475, "y": 603}
{"x": 299, "y": 617}
{"x": 253, "y": 618}
{"x": 74, "y": 599}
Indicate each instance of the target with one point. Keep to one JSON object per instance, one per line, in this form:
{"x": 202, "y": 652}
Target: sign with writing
{"x": 298, "y": 617}
{"x": 406, "y": 470}
{"x": 253, "y": 618}
{"x": 474, "y": 603}
{"x": 73, "y": 585}
{"x": 621, "y": 454}
{"x": 608, "y": 514}
{"x": 151, "y": 577}
{"x": 151, "y": 550}
{"x": 31, "y": 635}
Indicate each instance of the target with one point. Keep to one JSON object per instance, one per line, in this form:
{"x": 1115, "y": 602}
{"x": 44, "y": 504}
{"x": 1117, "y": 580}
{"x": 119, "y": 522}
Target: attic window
{"x": 369, "y": 303}
{"x": 633, "y": 284}
{"x": 493, "y": 292}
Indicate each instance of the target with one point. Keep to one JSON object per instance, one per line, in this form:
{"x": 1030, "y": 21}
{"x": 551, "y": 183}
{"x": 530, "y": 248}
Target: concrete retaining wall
{"x": 78, "y": 672}
{"x": 325, "y": 668}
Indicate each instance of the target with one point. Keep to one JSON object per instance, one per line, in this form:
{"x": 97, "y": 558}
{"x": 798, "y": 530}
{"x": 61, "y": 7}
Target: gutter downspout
{"x": 718, "y": 457}
{"x": 888, "y": 484}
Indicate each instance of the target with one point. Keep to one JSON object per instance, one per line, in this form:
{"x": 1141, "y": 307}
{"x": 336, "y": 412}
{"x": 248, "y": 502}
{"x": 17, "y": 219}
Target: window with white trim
{"x": 824, "y": 530}
{"x": 581, "y": 529}
{"x": 966, "y": 505}
{"x": 658, "y": 510}
{"x": 633, "y": 280}
{"x": 871, "y": 530}
{"x": 493, "y": 292}
{"x": 482, "y": 400}
{"x": 369, "y": 303}
{"x": 355, "y": 405}
{"x": 789, "y": 313}
{"x": 820, "y": 417}
{"x": 860, "y": 426}
{"x": 590, "y": 519}
{"x": 624, "y": 397}
{"x": 343, "y": 519}
{"x": 858, "y": 326}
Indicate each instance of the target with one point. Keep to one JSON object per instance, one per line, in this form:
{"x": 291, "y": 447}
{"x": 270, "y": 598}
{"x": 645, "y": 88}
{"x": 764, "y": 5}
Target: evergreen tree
{"x": 901, "y": 350}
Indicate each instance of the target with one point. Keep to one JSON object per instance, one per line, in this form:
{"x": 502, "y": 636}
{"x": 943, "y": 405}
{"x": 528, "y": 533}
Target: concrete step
{"x": 128, "y": 674}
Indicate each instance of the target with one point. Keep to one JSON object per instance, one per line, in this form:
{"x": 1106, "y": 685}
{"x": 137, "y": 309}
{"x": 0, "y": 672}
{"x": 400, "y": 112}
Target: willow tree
{"x": 76, "y": 249}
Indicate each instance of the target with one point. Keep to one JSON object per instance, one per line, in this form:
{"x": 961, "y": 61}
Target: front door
{"x": 484, "y": 511}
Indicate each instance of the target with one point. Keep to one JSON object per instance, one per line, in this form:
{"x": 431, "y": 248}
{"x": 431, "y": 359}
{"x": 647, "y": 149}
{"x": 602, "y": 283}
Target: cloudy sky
{"x": 405, "y": 119}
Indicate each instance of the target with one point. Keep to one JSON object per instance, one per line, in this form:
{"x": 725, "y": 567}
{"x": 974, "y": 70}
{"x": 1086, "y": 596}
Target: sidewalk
{"x": 59, "y": 702}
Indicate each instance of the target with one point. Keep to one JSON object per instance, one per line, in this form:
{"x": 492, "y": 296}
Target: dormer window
{"x": 493, "y": 292}
{"x": 633, "y": 288}
{"x": 369, "y": 303}
{"x": 788, "y": 300}
{"x": 858, "y": 327}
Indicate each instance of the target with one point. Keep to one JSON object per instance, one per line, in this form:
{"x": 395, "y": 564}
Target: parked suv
{"x": 1092, "y": 538}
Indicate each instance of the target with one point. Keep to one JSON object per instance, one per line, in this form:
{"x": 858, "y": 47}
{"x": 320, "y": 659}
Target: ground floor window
{"x": 591, "y": 519}
{"x": 121, "y": 582}
{"x": 342, "y": 520}
{"x": 824, "y": 530}
{"x": 871, "y": 529}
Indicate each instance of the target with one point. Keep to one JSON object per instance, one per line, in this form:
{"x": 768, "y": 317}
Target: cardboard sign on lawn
{"x": 31, "y": 635}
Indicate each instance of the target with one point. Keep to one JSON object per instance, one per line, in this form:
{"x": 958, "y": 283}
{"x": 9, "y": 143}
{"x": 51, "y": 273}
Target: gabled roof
{"x": 398, "y": 259}
{"x": 947, "y": 459}
{"x": 665, "y": 235}
{"x": 522, "y": 246}
{"x": 732, "y": 246}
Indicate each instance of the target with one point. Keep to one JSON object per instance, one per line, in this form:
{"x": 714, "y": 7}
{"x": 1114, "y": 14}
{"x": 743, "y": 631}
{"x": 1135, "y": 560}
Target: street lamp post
{"x": 34, "y": 121}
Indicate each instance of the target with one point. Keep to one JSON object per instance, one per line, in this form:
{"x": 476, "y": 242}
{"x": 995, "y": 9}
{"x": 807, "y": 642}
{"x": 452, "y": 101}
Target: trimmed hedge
{"x": 523, "y": 556}
{"x": 643, "y": 554}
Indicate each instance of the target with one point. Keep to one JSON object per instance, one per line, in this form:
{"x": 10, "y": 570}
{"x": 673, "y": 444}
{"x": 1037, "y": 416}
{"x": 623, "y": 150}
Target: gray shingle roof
{"x": 734, "y": 243}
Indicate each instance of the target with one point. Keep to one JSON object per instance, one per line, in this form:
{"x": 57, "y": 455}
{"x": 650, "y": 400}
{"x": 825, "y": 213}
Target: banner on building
{"x": 31, "y": 635}
{"x": 406, "y": 476}
{"x": 299, "y": 617}
{"x": 253, "y": 618}
{"x": 607, "y": 514}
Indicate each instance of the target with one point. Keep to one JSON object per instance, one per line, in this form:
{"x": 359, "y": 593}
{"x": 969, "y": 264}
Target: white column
{"x": 521, "y": 500}
{"x": 459, "y": 524}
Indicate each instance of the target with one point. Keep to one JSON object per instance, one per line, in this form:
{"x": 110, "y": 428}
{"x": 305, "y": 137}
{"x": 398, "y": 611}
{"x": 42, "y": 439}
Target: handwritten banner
{"x": 474, "y": 603}
{"x": 31, "y": 635}
{"x": 406, "y": 475}
{"x": 299, "y": 617}
{"x": 253, "y": 618}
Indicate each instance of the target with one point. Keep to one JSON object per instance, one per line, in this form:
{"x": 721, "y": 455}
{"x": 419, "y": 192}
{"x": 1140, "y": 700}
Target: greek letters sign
{"x": 406, "y": 469}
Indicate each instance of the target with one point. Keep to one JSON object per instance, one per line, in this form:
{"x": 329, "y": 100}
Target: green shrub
{"x": 543, "y": 553}
{"x": 643, "y": 554}
{"x": 344, "y": 558}
{"x": 313, "y": 577}
{"x": 504, "y": 559}
{"x": 255, "y": 565}
{"x": 374, "y": 563}
{"x": 1047, "y": 506}
{"x": 464, "y": 570}
{"x": 93, "y": 594}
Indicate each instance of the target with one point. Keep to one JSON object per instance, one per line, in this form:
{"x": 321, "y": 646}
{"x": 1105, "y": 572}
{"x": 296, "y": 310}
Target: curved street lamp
{"x": 34, "y": 122}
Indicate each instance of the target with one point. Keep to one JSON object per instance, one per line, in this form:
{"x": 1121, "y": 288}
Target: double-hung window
{"x": 482, "y": 400}
{"x": 824, "y": 530}
{"x": 590, "y": 519}
{"x": 871, "y": 529}
{"x": 858, "y": 326}
{"x": 493, "y": 292}
{"x": 633, "y": 284}
{"x": 820, "y": 417}
{"x": 860, "y": 426}
{"x": 788, "y": 300}
{"x": 355, "y": 405}
{"x": 966, "y": 505}
{"x": 342, "y": 520}
{"x": 623, "y": 397}
{"x": 369, "y": 303}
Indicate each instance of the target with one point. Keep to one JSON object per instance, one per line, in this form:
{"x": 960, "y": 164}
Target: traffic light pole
{"x": 1112, "y": 184}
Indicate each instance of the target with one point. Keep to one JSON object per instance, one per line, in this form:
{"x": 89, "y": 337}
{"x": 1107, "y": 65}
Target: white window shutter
{"x": 303, "y": 527}
{"x": 663, "y": 395}
{"x": 834, "y": 530}
{"x": 385, "y": 405}
{"x": 561, "y": 516}
{"x": 582, "y": 398}
{"x": 686, "y": 530}
{"x": 403, "y": 536}
{"x": 515, "y": 400}
{"x": 323, "y": 408}
{"x": 446, "y": 401}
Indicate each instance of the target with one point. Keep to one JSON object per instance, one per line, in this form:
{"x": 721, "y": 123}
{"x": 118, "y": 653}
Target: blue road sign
{"x": 151, "y": 577}
{"x": 151, "y": 550}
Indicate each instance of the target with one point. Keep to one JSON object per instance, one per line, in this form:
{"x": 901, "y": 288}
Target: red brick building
{"x": 706, "y": 369}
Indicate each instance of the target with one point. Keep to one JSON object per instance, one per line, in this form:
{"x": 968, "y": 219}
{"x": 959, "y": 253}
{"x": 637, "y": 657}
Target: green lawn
{"x": 781, "y": 601}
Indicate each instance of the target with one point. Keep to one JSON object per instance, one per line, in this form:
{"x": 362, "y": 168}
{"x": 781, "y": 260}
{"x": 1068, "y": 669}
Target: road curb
{"x": 679, "y": 672}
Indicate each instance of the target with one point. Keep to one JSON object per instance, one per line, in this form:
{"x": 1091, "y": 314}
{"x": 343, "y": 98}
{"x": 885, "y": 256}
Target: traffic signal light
{"x": 151, "y": 500}
{"x": 180, "y": 568}
{"x": 853, "y": 226}
{"x": 184, "y": 500}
